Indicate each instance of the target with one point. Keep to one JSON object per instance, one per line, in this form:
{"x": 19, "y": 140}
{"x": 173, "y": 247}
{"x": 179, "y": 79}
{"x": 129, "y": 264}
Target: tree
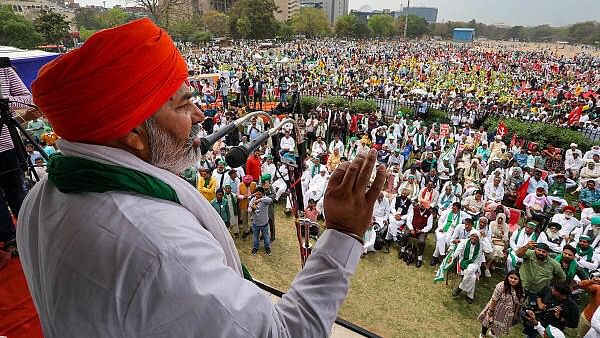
{"x": 253, "y": 19}
{"x": 113, "y": 17}
{"x": 244, "y": 27}
{"x": 52, "y": 26}
{"x": 345, "y": 25}
{"x": 583, "y": 32}
{"x": 213, "y": 22}
{"x": 160, "y": 11}
{"x": 311, "y": 22}
{"x": 382, "y": 25}
{"x": 285, "y": 30}
{"x": 516, "y": 33}
{"x": 417, "y": 26}
{"x": 16, "y": 30}
{"x": 88, "y": 18}
{"x": 201, "y": 38}
{"x": 85, "y": 33}
{"x": 350, "y": 25}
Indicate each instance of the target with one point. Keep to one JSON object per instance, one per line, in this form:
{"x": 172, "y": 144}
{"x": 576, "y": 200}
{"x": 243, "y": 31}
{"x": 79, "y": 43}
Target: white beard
{"x": 552, "y": 235}
{"x": 596, "y": 231}
{"x": 168, "y": 153}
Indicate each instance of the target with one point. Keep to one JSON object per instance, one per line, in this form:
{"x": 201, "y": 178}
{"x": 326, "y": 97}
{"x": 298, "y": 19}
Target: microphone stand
{"x": 295, "y": 170}
{"x": 14, "y": 128}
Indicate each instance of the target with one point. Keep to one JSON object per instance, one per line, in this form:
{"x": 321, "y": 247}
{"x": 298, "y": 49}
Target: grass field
{"x": 386, "y": 296}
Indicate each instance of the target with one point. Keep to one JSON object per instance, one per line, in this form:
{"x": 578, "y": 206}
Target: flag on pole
{"x": 502, "y": 130}
{"x": 521, "y": 194}
{"x": 575, "y": 115}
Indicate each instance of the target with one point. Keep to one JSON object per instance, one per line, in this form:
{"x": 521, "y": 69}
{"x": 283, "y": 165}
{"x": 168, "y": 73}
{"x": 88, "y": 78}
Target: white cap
{"x": 573, "y": 145}
{"x": 474, "y": 232}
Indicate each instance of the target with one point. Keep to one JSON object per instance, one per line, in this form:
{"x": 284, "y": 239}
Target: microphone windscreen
{"x": 236, "y": 156}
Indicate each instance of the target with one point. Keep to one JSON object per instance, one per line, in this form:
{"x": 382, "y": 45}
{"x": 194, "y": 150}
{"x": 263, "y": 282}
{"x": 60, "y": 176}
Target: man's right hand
{"x": 531, "y": 244}
{"x": 347, "y": 204}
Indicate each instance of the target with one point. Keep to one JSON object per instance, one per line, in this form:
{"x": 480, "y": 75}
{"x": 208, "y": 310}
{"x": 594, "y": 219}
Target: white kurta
{"x": 125, "y": 265}
{"x": 470, "y": 273}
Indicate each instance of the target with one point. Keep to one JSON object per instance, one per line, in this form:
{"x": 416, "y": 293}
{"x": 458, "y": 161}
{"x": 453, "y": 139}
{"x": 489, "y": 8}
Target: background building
{"x": 287, "y": 8}
{"x": 427, "y": 13}
{"x": 333, "y": 8}
{"x": 31, "y": 8}
{"x": 464, "y": 34}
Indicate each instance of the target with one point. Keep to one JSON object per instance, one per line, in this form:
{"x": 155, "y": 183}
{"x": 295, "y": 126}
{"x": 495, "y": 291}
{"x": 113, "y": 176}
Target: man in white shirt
{"x": 159, "y": 262}
{"x": 336, "y": 143}
{"x": 447, "y": 222}
{"x": 287, "y": 143}
{"x": 567, "y": 222}
{"x": 318, "y": 147}
{"x": 495, "y": 191}
{"x": 268, "y": 167}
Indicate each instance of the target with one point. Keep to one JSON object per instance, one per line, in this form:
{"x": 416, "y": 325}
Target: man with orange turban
{"x": 114, "y": 244}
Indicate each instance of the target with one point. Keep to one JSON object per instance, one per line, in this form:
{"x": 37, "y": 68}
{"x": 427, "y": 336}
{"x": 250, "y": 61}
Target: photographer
{"x": 12, "y": 184}
{"x": 546, "y": 332}
{"x": 554, "y": 308}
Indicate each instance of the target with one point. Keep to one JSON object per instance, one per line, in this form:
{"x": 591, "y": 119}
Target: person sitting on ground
{"x": 536, "y": 203}
{"x": 590, "y": 194}
{"x": 567, "y": 222}
{"x": 552, "y": 238}
{"x": 474, "y": 204}
{"x": 500, "y": 232}
{"x": 398, "y": 211}
{"x": 558, "y": 185}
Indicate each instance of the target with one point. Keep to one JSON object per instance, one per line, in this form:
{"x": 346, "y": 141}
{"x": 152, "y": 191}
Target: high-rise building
{"x": 333, "y": 8}
{"x": 427, "y": 13}
{"x": 338, "y": 8}
{"x": 287, "y": 8}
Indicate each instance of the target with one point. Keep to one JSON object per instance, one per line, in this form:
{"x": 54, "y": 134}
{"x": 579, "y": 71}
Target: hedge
{"x": 363, "y": 106}
{"x": 338, "y": 101}
{"x": 541, "y": 133}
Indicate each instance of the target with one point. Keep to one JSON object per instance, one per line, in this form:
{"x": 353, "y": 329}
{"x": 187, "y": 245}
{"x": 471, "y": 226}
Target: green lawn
{"x": 386, "y": 296}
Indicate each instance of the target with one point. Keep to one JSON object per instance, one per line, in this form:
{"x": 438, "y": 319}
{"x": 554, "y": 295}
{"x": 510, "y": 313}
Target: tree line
{"x": 255, "y": 19}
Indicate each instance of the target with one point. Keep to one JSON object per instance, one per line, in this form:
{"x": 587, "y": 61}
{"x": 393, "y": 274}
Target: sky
{"x": 510, "y": 12}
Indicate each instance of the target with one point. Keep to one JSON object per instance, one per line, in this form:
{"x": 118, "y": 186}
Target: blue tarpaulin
{"x": 27, "y": 62}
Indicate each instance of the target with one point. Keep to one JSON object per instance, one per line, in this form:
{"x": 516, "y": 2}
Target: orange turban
{"x": 113, "y": 83}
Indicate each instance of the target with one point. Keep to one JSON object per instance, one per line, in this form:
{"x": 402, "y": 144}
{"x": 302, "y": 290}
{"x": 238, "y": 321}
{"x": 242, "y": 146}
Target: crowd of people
{"x": 487, "y": 202}
{"x": 472, "y": 80}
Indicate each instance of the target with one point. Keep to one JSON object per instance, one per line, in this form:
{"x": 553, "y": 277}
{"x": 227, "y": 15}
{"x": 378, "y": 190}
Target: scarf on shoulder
{"x": 588, "y": 254}
{"x": 464, "y": 263}
{"x": 571, "y": 270}
{"x": 93, "y": 168}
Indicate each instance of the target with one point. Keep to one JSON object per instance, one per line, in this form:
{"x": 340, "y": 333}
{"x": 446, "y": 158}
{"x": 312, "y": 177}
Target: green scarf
{"x": 572, "y": 270}
{"x": 77, "y": 175}
{"x": 589, "y": 253}
{"x": 464, "y": 263}
{"x": 449, "y": 221}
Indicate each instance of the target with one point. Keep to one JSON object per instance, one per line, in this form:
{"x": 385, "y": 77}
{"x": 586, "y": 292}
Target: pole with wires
{"x": 406, "y": 19}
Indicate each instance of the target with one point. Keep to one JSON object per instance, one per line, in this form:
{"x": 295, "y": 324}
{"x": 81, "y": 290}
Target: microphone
{"x": 208, "y": 141}
{"x": 237, "y": 156}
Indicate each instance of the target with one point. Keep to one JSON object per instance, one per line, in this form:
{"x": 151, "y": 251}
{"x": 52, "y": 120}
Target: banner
{"x": 502, "y": 130}
{"x": 444, "y": 130}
